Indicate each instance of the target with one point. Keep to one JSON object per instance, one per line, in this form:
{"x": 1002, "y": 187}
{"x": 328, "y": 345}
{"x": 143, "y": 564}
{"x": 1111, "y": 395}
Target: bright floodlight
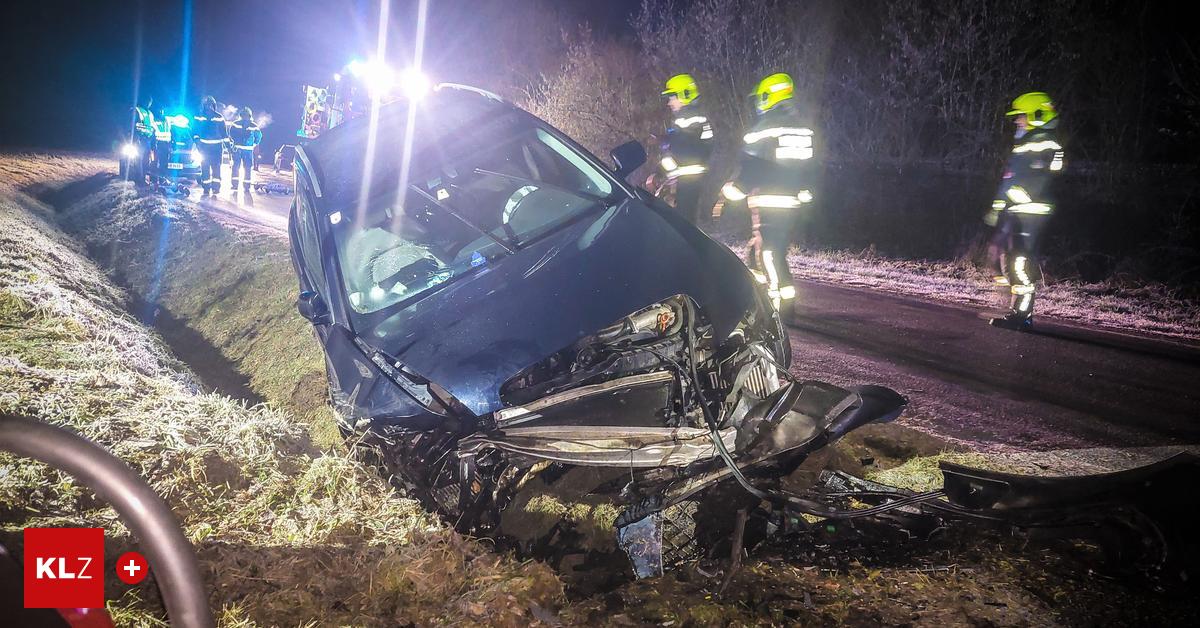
{"x": 375, "y": 75}
{"x": 129, "y": 151}
{"x": 415, "y": 84}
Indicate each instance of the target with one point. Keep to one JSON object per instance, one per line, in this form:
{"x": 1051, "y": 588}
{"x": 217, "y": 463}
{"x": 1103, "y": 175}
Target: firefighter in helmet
{"x": 143, "y": 138}
{"x": 1023, "y": 204}
{"x": 210, "y": 134}
{"x": 775, "y": 178}
{"x": 688, "y": 144}
{"x": 245, "y": 136}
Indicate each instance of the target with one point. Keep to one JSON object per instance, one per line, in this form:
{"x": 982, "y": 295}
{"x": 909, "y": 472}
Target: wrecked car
{"x": 497, "y": 305}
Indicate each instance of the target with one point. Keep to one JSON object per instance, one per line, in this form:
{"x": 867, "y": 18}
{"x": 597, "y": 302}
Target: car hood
{"x": 478, "y": 332}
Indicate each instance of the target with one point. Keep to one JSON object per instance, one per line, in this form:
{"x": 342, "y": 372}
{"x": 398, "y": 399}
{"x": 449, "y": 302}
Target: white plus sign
{"x": 132, "y": 568}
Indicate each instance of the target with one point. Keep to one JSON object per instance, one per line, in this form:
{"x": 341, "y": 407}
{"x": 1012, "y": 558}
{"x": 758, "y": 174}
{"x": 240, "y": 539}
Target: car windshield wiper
{"x": 450, "y": 210}
{"x": 535, "y": 182}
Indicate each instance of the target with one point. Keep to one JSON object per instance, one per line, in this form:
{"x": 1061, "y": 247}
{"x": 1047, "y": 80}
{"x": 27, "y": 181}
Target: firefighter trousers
{"x": 687, "y": 197}
{"x": 243, "y": 158}
{"x": 210, "y": 165}
{"x": 771, "y": 236}
{"x": 1018, "y": 236}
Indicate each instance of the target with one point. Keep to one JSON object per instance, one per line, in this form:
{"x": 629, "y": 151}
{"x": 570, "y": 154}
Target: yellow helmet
{"x": 683, "y": 87}
{"x": 773, "y": 90}
{"x": 1036, "y": 106}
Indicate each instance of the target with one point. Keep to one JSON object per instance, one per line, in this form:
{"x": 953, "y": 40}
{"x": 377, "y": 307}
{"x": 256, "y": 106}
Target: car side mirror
{"x": 628, "y": 157}
{"x": 313, "y": 308}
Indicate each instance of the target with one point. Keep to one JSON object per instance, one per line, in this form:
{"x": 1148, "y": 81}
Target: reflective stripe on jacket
{"x": 778, "y": 160}
{"x": 245, "y": 135}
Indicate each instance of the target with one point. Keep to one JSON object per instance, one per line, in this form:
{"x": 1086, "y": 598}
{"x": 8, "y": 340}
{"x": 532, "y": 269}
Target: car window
{"x": 466, "y": 205}
{"x": 306, "y": 230}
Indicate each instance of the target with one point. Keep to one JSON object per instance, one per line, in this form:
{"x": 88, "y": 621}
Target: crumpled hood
{"x": 480, "y": 331}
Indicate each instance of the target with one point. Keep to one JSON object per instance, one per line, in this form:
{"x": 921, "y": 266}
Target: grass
{"x": 284, "y": 536}
{"x": 223, "y": 298}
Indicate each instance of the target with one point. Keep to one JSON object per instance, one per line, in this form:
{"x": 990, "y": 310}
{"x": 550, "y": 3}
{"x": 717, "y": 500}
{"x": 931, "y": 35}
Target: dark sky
{"x": 72, "y": 67}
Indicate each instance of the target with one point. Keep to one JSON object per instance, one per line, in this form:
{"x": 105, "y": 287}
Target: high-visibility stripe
{"x": 684, "y": 123}
{"x": 1036, "y": 147}
{"x": 1026, "y": 301}
{"x": 793, "y": 152}
{"x": 1057, "y": 163}
{"x": 768, "y": 258}
{"x": 706, "y": 134}
{"x": 732, "y": 192}
{"x": 668, "y": 163}
{"x": 999, "y": 204}
{"x": 778, "y": 201}
{"x": 204, "y": 141}
{"x": 1018, "y": 194}
{"x": 1019, "y": 267}
{"x": 756, "y": 136}
{"x": 1040, "y": 209}
{"x": 241, "y": 147}
{"x": 684, "y": 171}
{"x": 787, "y": 292}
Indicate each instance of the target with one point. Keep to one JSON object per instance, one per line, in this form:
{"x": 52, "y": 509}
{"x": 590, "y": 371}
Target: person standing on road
{"x": 246, "y": 137}
{"x": 775, "y": 179}
{"x": 1023, "y": 204}
{"x": 210, "y": 135}
{"x": 143, "y": 138}
{"x": 688, "y": 145}
{"x": 162, "y": 145}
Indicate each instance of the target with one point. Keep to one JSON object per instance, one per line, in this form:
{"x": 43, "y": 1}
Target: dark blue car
{"x": 495, "y": 304}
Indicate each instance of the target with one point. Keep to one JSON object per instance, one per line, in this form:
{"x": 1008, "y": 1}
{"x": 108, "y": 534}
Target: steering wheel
{"x": 147, "y": 515}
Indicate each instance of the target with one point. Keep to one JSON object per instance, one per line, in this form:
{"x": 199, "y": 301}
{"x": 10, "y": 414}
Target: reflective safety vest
{"x": 162, "y": 130}
{"x": 143, "y": 122}
{"x": 777, "y": 163}
{"x": 245, "y": 134}
{"x": 688, "y": 145}
{"x": 1036, "y": 159}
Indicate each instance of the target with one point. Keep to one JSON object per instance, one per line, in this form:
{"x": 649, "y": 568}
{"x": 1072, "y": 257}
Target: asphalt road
{"x": 1059, "y": 386}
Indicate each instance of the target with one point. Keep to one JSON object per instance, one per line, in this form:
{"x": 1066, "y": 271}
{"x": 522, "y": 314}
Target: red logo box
{"x": 64, "y": 568}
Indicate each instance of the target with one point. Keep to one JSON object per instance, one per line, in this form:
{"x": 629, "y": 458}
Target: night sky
{"x": 71, "y": 66}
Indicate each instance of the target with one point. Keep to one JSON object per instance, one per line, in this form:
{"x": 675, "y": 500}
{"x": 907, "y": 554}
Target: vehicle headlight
{"x": 197, "y": 158}
{"x": 129, "y": 150}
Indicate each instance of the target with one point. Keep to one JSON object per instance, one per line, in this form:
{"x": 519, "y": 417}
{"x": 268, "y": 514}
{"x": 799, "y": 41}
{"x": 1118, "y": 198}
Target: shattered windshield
{"x": 466, "y": 202}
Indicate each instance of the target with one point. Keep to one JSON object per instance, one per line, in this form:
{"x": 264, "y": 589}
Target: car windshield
{"x": 466, "y": 201}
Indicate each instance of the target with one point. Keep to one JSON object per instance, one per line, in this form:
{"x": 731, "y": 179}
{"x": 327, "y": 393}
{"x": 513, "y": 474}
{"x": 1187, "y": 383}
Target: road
{"x": 1059, "y": 387}
{"x": 255, "y": 211}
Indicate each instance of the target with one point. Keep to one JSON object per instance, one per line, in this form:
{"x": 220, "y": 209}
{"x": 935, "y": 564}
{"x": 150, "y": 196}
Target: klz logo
{"x": 64, "y": 568}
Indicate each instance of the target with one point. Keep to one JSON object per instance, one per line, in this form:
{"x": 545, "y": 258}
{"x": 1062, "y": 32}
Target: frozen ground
{"x": 1138, "y": 308}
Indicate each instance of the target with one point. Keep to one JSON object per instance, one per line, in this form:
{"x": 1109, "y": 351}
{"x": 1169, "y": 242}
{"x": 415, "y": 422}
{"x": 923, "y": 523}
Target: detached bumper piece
{"x": 1142, "y": 515}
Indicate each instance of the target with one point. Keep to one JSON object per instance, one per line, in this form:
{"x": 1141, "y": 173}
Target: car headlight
{"x": 129, "y": 150}
{"x": 197, "y": 158}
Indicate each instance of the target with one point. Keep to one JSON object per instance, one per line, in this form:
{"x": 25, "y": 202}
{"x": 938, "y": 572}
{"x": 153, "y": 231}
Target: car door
{"x": 358, "y": 387}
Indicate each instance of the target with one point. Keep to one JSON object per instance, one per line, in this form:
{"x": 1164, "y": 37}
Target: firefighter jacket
{"x": 143, "y": 122}
{"x": 688, "y": 145}
{"x": 245, "y": 134}
{"x": 1036, "y": 159}
{"x": 778, "y": 168}
{"x": 209, "y": 128}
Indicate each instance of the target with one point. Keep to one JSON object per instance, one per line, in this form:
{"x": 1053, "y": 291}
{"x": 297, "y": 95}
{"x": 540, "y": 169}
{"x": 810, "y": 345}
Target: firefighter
{"x": 688, "y": 145}
{"x": 1023, "y": 204}
{"x": 210, "y": 135}
{"x": 143, "y": 137}
{"x": 246, "y": 137}
{"x": 775, "y": 179}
